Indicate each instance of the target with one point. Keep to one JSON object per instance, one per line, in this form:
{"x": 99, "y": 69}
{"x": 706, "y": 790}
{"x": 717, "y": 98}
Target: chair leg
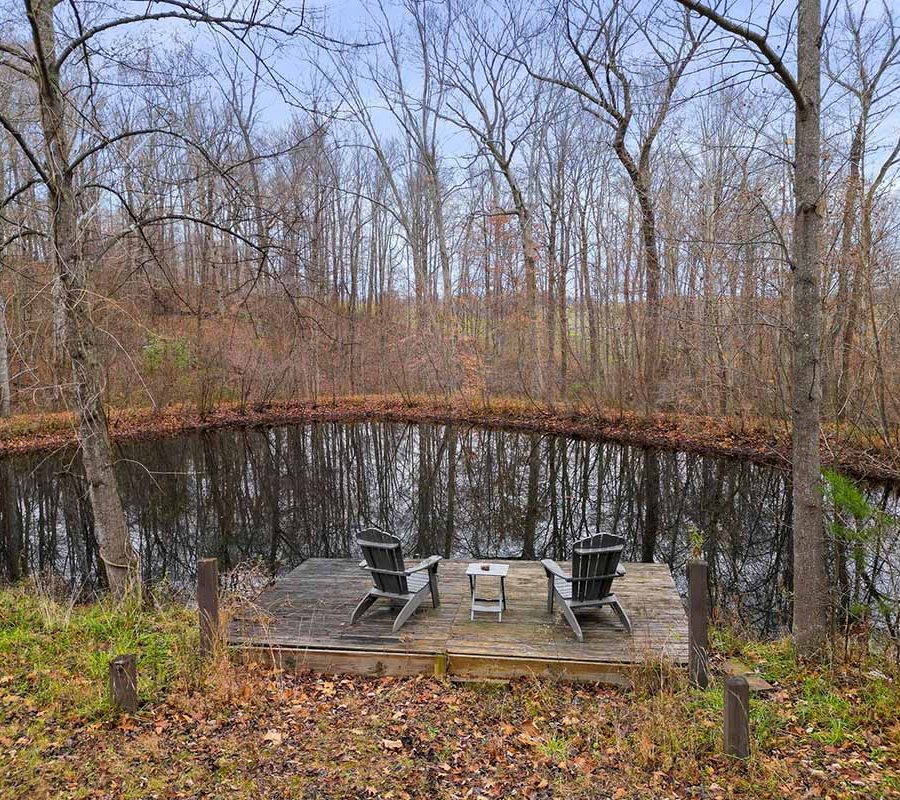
{"x": 549, "y": 594}
{"x": 407, "y": 611}
{"x": 570, "y": 618}
{"x": 362, "y": 607}
{"x": 623, "y": 617}
{"x": 433, "y": 583}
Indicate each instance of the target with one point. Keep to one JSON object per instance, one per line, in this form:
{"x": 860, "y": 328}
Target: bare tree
{"x": 811, "y": 595}
{"x": 65, "y": 66}
{"x": 496, "y": 103}
{"x": 593, "y": 64}
{"x": 861, "y": 62}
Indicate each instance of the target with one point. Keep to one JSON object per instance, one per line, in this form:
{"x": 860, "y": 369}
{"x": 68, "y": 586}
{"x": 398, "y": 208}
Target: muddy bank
{"x": 763, "y": 443}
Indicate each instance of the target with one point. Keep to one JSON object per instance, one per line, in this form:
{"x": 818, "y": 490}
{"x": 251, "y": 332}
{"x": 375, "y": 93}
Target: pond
{"x": 284, "y": 494}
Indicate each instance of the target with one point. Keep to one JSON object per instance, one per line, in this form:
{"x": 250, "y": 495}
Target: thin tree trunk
{"x": 79, "y": 335}
{"x": 11, "y": 521}
{"x": 848, "y": 290}
{"x": 640, "y": 181}
{"x": 589, "y": 300}
{"x": 5, "y": 393}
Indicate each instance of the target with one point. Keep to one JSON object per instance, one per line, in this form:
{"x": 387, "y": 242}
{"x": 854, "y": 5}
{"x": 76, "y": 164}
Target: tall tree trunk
{"x": 638, "y": 173}
{"x": 811, "y": 602}
{"x": 562, "y": 281}
{"x": 11, "y": 524}
{"x": 551, "y": 287}
{"x": 528, "y": 250}
{"x": 5, "y": 393}
{"x": 651, "y": 321}
{"x": 437, "y": 203}
{"x": 79, "y": 336}
{"x": 589, "y": 299}
{"x": 848, "y": 288}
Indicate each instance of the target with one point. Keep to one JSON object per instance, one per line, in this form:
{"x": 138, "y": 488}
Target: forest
{"x": 284, "y": 285}
{"x": 435, "y": 200}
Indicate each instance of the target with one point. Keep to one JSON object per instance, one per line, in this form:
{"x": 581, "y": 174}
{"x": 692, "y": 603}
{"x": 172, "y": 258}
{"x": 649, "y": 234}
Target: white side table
{"x": 487, "y": 604}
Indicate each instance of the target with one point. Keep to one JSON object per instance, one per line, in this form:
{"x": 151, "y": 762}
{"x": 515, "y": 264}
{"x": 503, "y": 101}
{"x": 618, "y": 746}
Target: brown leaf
{"x": 273, "y": 737}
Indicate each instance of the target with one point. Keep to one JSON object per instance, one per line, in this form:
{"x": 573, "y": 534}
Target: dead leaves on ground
{"x": 313, "y": 736}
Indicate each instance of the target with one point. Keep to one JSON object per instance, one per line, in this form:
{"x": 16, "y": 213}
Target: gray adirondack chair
{"x": 595, "y": 565}
{"x": 383, "y": 555}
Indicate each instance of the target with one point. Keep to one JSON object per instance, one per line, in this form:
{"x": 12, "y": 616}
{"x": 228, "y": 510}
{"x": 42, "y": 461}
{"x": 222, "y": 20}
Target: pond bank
{"x": 759, "y": 441}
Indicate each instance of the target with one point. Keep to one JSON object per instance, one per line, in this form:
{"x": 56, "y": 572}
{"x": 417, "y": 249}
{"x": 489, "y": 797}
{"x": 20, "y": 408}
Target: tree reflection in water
{"x": 282, "y": 495}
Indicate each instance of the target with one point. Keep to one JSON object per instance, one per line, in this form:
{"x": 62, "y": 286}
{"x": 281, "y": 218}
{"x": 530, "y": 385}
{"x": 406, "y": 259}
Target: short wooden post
{"x": 698, "y": 618}
{"x": 208, "y": 603}
{"x": 123, "y": 682}
{"x": 737, "y": 716}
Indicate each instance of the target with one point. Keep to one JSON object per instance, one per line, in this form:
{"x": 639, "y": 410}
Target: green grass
{"x": 202, "y": 730}
{"x": 57, "y": 656}
{"x": 836, "y": 704}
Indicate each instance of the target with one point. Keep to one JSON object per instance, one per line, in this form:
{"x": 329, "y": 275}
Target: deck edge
{"x": 469, "y": 666}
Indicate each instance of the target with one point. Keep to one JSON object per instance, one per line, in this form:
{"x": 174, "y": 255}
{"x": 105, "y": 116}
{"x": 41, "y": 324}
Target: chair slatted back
{"x": 384, "y": 555}
{"x": 594, "y": 563}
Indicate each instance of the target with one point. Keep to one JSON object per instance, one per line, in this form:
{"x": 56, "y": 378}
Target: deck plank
{"x": 309, "y": 608}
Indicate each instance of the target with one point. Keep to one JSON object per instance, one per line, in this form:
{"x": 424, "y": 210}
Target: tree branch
{"x": 23, "y": 146}
{"x": 754, "y": 38}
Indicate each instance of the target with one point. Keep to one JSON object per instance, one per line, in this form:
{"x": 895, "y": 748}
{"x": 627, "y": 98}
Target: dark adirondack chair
{"x": 383, "y": 555}
{"x": 595, "y": 565}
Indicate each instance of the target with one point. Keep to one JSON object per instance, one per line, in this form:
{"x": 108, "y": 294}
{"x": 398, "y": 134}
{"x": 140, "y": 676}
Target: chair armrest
{"x": 429, "y": 563}
{"x": 552, "y": 568}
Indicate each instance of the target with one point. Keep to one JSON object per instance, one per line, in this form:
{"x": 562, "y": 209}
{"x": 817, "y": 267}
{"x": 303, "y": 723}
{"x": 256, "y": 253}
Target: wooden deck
{"x": 301, "y": 622}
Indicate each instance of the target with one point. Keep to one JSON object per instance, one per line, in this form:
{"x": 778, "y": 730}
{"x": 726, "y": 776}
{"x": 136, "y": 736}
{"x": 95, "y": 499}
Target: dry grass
{"x": 216, "y": 729}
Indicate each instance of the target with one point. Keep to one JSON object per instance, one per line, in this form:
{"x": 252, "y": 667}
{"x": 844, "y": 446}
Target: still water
{"x": 282, "y": 495}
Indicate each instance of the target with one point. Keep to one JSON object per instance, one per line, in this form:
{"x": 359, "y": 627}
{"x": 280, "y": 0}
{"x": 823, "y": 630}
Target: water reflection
{"x": 286, "y": 494}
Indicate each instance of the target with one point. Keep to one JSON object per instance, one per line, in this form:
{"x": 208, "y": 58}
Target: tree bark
{"x": 79, "y": 335}
{"x": 639, "y": 176}
{"x": 847, "y": 297}
{"x": 11, "y": 523}
{"x": 589, "y": 299}
{"x": 811, "y": 598}
{"x": 5, "y": 393}
{"x": 811, "y": 601}
{"x": 528, "y": 252}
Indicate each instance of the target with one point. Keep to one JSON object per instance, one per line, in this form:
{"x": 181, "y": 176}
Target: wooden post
{"x": 698, "y": 617}
{"x": 123, "y": 682}
{"x": 208, "y": 603}
{"x": 737, "y": 716}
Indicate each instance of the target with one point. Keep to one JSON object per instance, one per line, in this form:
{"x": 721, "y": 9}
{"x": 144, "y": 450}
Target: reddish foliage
{"x": 756, "y": 442}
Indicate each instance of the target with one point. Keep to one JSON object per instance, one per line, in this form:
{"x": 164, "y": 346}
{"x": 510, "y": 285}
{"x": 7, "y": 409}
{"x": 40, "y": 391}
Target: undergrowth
{"x": 222, "y": 729}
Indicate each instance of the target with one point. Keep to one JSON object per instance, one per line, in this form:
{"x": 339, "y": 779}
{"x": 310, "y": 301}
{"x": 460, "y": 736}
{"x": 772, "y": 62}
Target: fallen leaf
{"x": 273, "y": 737}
